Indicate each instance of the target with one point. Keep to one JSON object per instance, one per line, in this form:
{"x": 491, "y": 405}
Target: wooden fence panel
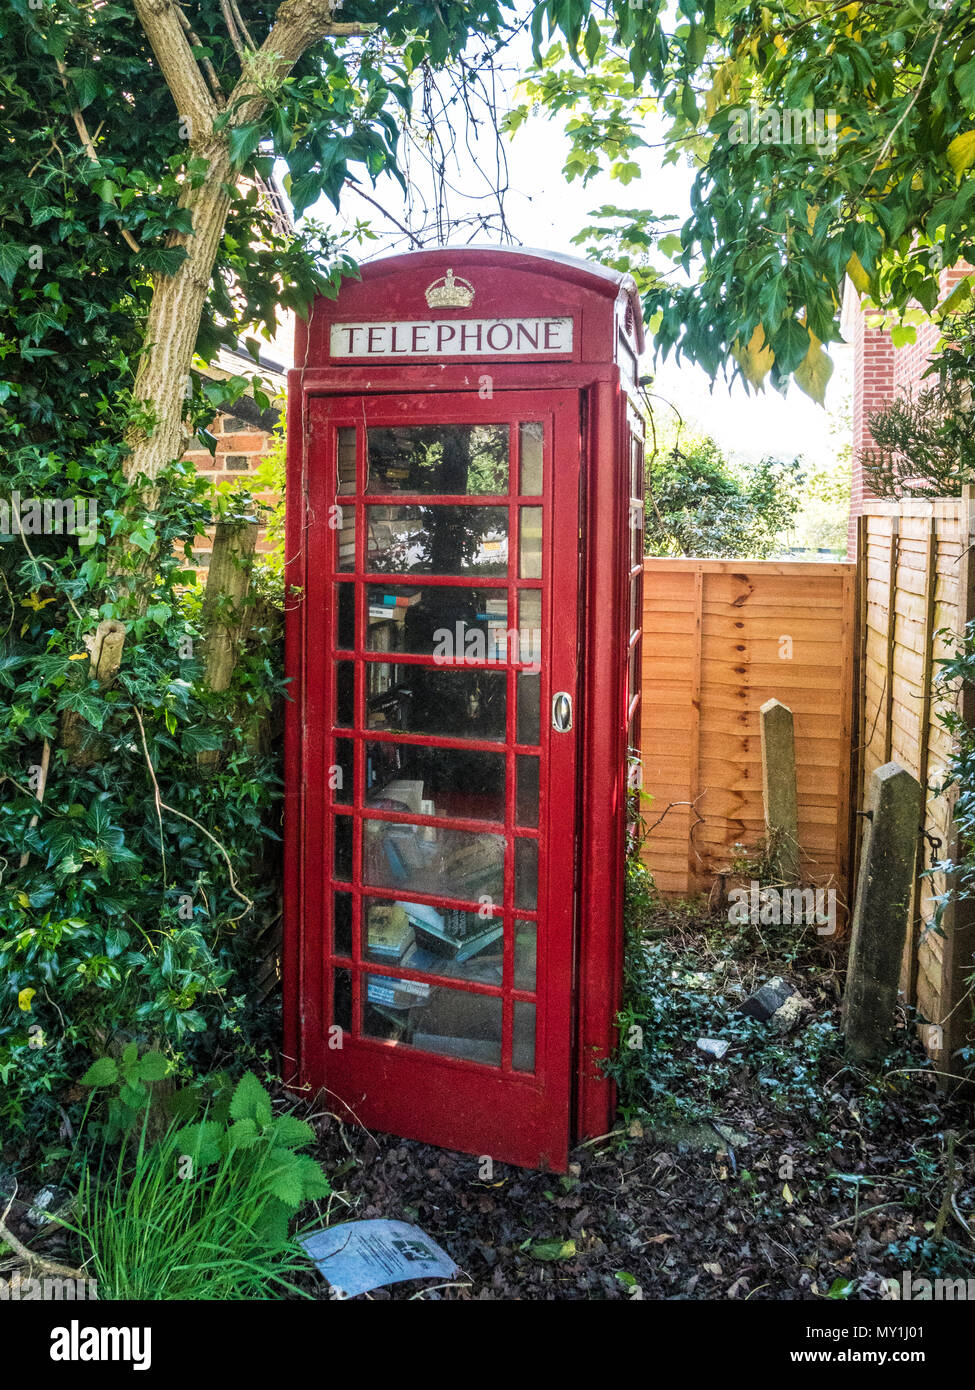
{"x": 720, "y": 637}
{"x": 915, "y": 597}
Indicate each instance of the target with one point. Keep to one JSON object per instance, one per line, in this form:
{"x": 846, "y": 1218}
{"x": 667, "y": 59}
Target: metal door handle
{"x": 562, "y": 712}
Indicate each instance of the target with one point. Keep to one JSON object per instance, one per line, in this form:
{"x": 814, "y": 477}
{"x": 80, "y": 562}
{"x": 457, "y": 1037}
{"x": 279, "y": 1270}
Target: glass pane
{"x": 435, "y": 1018}
{"x": 530, "y": 626}
{"x": 530, "y": 553}
{"x": 452, "y": 864}
{"x": 441, "y": 941}
{"x": 462, "y": 460}
{"x": 437, "y": 540}
{"x": 531, "y": 438}
{"x": 526, "y": 873}
{"x": 435, "y": 781}
{"x": 345, "y": 459}
{"x": 523, "y": 1037}
{"x": 342, "y": 929}
{"x": 340, "y": 774}
{"x": 345, "y": 615}
{"x": 525, "y": 949}
{"x": 344, "y": 692}
{"x": 442, "y": 701}
{"x": 453, "y": 623}
{"x": 345, "y": 532}
{"x": 342, "y": 1000}
{"x": 343, "y": 847}
{"x": 529, "y": 707}
{"x": 527, "y": 798}
{"x": 634, "y": 603}
{"x": 636, "y": 531}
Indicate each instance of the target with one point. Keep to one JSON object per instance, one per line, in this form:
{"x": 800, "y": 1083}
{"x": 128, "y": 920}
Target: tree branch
{"x": 163, "y": 27}
{"x": 297, "y": 26}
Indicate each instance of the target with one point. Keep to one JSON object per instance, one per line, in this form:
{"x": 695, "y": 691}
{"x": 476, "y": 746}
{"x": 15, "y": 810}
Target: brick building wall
{"x": 241, "y": 446}
{"x": 881, "y": 372}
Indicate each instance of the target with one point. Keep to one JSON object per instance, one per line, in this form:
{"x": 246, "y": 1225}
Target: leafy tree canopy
{"x": 699, "y": 503}
{"x": 827, "y": 140}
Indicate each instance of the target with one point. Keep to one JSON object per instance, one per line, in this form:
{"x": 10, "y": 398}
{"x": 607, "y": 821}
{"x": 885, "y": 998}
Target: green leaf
{"x": 201, "y": 1142}
{"x": 153, "y": 1066}
{"x": 286, "y": 1178}
{"x": 243, "y": 141}
{"x": 250, "y": 1100}
{"x": 134, "y": 1095}
{"x": 10, "y": 258}
{"x": 552, "y": 1249}
{"x": 102, "y": 1072}
{"x": 199, "y": 739}
{"x": 86, "y": 84}
{"x": 243, "y": 1134}
{"x": 292, "y": 1133}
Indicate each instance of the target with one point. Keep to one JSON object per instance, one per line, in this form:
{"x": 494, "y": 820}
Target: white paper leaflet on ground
{"x": 362, "y": 1255}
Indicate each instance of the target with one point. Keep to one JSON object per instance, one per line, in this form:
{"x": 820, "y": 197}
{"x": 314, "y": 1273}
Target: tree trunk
{"x": 174, "y": 321}
{"x": 178, "y": 300}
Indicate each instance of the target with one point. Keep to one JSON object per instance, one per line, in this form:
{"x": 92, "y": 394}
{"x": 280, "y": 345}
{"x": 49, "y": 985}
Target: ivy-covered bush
{"x": 125, "y": 909}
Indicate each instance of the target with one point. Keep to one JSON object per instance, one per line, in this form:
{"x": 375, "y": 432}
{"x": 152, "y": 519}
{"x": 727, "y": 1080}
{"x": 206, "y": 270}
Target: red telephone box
{"x": 465, "y": 561}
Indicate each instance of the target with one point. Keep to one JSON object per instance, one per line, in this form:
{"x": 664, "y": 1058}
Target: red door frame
{"x": 512, "y": 1116}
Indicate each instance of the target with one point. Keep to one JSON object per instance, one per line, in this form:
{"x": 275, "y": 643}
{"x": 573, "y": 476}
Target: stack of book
{"x": 451, "y": 933}
{"x": 386, "y": 993}
{"x": 393, "y": 604}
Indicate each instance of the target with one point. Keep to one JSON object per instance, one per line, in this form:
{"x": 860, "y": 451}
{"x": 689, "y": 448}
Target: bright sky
{"x": 545, "y": 211}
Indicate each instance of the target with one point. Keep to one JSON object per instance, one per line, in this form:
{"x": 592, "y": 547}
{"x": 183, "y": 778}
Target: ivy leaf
{"x": 200, "y": 740}
{"x": 10, "y": 258}
{"x": 86, "y": 84}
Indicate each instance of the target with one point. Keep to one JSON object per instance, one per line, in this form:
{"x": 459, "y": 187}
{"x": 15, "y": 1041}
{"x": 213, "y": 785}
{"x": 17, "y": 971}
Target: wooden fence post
{"x": 779, "y": 788}
{"x": 881, "y": 911}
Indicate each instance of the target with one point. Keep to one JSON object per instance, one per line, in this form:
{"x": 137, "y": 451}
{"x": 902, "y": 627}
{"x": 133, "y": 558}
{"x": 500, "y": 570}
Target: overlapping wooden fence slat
{"x": 720, "y": 637}
{"x": 916, "y": 594}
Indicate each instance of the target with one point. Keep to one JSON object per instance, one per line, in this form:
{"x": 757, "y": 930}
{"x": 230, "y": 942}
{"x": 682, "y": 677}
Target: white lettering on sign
{"x": 452, "y": 338}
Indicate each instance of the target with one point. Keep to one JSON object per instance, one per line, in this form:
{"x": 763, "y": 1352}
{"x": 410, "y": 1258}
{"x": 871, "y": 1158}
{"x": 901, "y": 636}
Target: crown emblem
{"x": 450, "y": 292}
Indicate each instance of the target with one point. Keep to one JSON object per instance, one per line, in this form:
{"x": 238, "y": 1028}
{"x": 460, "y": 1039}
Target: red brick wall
{"x": 881, "y": 372}
{"x": 240, "y": 448}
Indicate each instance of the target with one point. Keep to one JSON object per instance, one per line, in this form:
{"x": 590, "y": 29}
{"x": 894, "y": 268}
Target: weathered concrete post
{"x": 779, "y": 788}
{"x": 881, "y": 911}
